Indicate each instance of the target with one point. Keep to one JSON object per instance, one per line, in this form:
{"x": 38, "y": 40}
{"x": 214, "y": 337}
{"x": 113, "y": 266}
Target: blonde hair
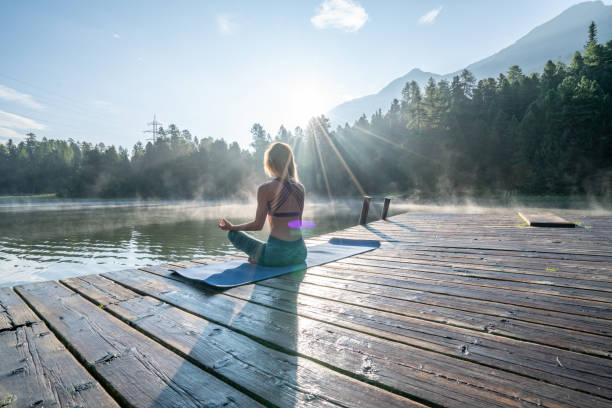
{"x": 279, "y": 162}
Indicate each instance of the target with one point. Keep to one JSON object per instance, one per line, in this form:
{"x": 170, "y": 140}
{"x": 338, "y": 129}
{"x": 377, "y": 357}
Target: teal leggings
{"x": 275, "y": 252}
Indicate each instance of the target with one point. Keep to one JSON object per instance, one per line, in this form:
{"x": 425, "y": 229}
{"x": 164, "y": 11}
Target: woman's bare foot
{"x": 251, "y": 260}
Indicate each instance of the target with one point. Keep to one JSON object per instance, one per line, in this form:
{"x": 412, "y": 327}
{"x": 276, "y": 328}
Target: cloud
{"x": 342, "y": 14}
{"x": 12, "y": 95}
{"x": 17, "y": 122}
{"x": 115, "y": 35}
{"x": 430, "y": 16}
{"x": 6, "y": 134}
{"x": 225, "y": 25}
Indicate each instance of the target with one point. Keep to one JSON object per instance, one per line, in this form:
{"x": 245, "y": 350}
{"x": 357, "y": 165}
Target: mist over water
{"x": 48, "y": 238}
{"x": 582, "y": 205}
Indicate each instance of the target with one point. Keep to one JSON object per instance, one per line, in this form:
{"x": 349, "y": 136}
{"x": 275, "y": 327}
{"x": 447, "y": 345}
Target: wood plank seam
{"x": 485, "y": 331}
{"x": 475, "y": 271}
{"x": 479, "y": 300}
{"x": 121, "y": 401}
{"x": 362, "y": 331}
{"x": 314, "y": 359}
{"x": 174, "y": 377}
{"x": 489, "y": 328}
{"x": 163, "y": 343}
{"x": 604, "y": 294}
{"x": 606, "y": 333}
{"x": 476, "y": 298}
{"x": 176, "y": 350}
{"x": 275, "y": 346}
{"x": 111, "y": 357}
{"x": 45, "y": 368}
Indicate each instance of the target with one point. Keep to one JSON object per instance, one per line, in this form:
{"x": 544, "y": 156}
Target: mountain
{"x": 555, "y": 40}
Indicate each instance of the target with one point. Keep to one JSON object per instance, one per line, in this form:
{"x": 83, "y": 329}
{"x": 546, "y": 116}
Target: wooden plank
{"x": 515, "y": 259}
{"x": 583, "y": 246}
{"x": 535, "y": 360}
{"x": 515, "y": 239}
{"x": 36, "y": 370}
{"x": 489, "y": 258}
{"x": 526, "y": 252}
{"x": 487, "y": 263}
{"x": 13, "y": 312}
{"x": 546, "y": 273}
{"x": 141, "y": 371}
{"x": 100, "y": 290}
{"x": 467, "y": 273}
{"x": 520, "y": 357}
{"x": 386, "y": 273}
{"x": 572, "y": 332}
{"x": 430, "y": 376}
{"x": 545, "y": 220}
{"x": 279, "y": 378}
{"x": 500, "y": 245}
{"x": 511, "y": 233}
{"x": 396, "y": 288}
{"x": 482, "y": 316}
{"x": 589, "y": 320}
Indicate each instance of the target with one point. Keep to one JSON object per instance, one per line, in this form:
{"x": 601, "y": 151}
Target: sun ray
{"x": 349, "y": 171}
{"x": 392, "y": 143}
{"x": 324, "y": 170}
{"x": 429, "y": 158}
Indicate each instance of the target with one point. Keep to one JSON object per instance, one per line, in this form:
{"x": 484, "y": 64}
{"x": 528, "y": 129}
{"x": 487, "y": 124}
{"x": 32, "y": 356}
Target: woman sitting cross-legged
{"x": 282, "y": 200}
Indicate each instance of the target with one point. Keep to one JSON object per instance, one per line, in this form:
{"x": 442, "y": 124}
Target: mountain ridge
{"x": 557, "y": 40}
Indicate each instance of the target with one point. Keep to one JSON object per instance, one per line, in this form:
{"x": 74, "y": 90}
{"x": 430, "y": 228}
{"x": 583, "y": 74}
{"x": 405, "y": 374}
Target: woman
{"x": 282, "y": 200}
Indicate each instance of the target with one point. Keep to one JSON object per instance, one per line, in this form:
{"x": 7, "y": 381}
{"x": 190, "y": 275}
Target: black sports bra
{"x": 288, "y": 188}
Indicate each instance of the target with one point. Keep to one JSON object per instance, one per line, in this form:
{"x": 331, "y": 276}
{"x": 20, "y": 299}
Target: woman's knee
{"x": 232, "y": 236}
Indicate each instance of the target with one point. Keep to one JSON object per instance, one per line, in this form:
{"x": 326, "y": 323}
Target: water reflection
{"x": 51, "y": 241}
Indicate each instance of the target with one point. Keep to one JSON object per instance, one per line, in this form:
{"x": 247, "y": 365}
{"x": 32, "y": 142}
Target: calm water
{"x": 48, "y": 238}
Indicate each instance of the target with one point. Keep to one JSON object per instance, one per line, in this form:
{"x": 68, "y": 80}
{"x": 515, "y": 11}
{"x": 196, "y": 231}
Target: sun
{"x": 305, "y": 100}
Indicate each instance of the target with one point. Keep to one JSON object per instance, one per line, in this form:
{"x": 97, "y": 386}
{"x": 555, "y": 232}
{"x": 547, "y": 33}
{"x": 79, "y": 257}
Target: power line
{"x": 62, "y": 104}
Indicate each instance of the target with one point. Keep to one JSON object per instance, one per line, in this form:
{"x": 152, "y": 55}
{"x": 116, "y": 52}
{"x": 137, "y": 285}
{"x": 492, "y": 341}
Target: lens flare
{"x": 301, "y": 224}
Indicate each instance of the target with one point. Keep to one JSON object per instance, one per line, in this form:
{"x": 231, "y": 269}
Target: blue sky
{"x": 98, "y": 71}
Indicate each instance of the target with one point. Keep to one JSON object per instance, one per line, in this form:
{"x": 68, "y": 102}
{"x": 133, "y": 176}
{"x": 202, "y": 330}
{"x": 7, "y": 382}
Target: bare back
{"x": 284, "y": 204}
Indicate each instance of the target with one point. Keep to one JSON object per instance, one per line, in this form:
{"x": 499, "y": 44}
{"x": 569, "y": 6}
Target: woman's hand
{"x": 225, "y": 225}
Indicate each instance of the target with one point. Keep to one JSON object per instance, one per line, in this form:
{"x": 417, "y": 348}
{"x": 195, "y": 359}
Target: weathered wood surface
{"x": 524, "y": 358}
{"x": 140, "y": 370}
{"x": 269, "y": 373}
{"x": 36, "y": 370}
{"x": 545, "y": 219}
{"x": 13, "y": 312}
{"x": 452, "y": 310}
{"x": 410, "y": 370}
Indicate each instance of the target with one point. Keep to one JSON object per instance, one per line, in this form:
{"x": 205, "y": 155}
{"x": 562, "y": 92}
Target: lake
{"x": 43, "y": 238}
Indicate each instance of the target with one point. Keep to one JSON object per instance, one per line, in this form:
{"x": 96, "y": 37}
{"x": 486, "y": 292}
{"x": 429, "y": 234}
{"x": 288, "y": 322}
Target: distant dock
{"x": 452, "y": 311}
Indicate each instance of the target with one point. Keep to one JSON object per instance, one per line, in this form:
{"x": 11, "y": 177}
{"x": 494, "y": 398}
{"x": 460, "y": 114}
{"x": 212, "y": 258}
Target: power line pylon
{"x": 153, "y": 130}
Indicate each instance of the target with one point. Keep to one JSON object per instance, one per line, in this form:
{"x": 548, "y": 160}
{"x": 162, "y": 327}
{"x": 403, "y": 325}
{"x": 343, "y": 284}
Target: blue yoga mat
{"x": 238, "y": 272}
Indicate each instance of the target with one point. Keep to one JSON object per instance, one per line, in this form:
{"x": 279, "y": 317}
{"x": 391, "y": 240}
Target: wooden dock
{"x": 451, "y": 311}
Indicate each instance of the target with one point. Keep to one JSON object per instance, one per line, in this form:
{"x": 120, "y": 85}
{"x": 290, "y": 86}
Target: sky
{"x": 99, "y": 71}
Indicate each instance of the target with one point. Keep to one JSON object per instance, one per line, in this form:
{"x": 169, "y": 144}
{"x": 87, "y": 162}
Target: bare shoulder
{"x": 266, "y": 188}
{"x": 300, "y": 186}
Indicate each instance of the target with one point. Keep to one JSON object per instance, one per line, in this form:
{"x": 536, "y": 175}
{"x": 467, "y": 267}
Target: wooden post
{"x": 385, "y": 209}
{"x": 364, "y": 210}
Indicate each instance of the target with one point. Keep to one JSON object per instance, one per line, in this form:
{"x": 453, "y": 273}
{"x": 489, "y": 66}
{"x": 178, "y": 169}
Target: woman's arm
{"x": 260, "y": 215}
